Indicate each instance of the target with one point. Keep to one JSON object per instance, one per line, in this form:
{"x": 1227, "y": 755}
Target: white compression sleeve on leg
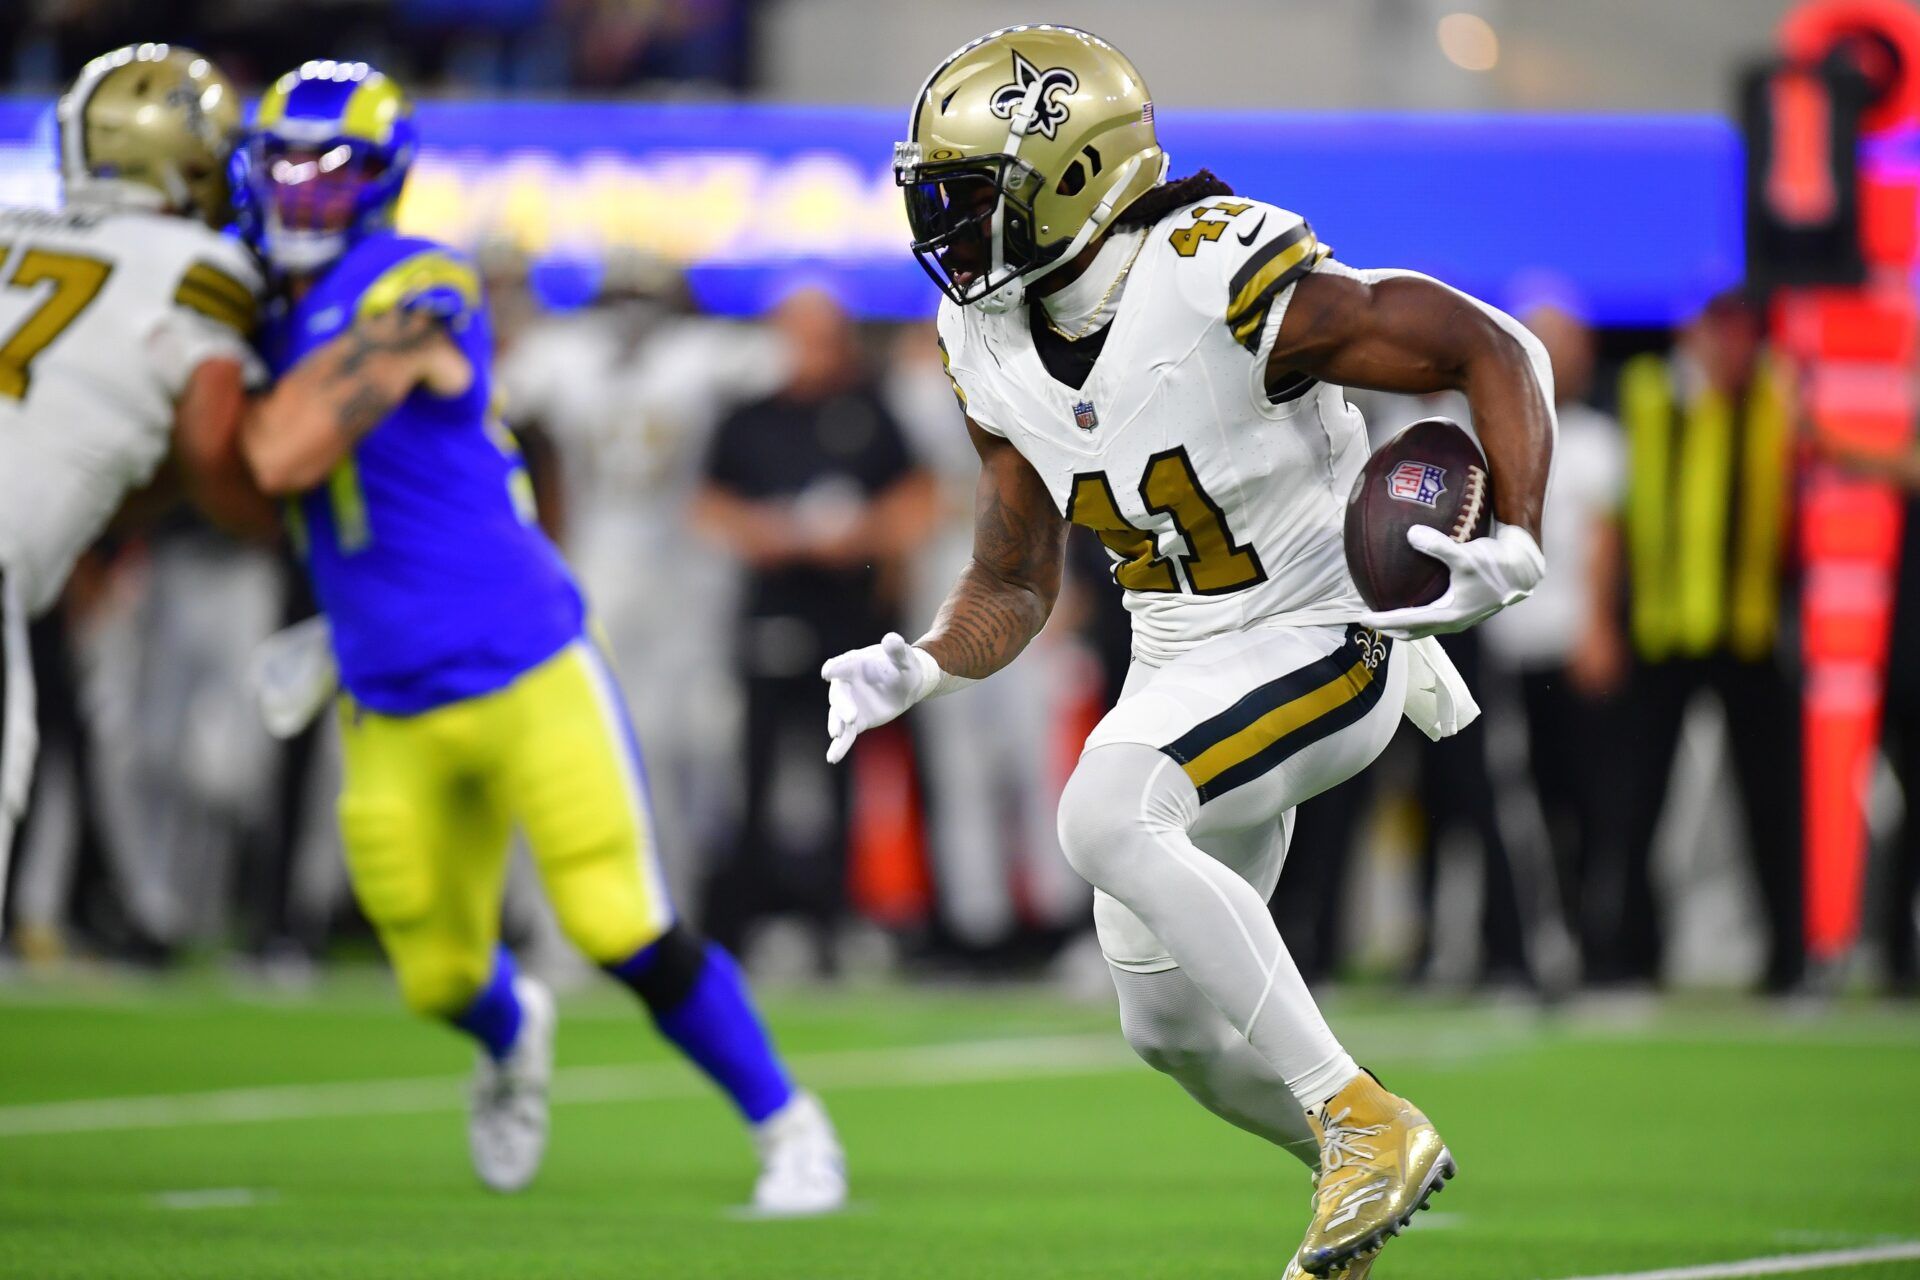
{"x": 1176, "y": 1030}
{"x": 1123, "y": 825}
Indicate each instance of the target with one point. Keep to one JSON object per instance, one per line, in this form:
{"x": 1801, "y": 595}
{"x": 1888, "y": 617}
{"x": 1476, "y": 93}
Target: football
{"x": 1431, "y": 473}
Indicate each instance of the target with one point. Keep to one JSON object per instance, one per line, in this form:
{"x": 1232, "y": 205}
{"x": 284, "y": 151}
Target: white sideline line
{"x": 897, "y": 1067}
{"x": 1778, "y": 1265}
{"x": 214, "y": 1198}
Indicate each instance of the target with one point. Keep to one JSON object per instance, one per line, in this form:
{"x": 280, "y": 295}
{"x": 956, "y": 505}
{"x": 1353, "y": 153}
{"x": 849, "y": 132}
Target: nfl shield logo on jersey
{"x": 1420, "y": 482}
{"x": 1084, "y": 417}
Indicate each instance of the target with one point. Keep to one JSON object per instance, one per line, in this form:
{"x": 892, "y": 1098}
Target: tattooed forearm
{"x": 391, "y": 331}
{"x": 338, "y": 393}
{"x": 1003, "y": 598}
{"x": 984, "y": 624}
{"x": 360, "y": 402}
{"x": 363, "y": 409}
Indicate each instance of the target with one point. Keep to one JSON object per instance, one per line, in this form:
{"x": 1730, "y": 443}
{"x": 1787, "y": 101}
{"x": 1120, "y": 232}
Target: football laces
{"x": 1472, "y": 498}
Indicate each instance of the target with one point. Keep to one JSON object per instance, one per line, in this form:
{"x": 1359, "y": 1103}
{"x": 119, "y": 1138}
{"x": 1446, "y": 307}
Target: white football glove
{"x": 868, "y": 687}
{"x": 1485, "y": 575}
{"x": 294, "y": 675}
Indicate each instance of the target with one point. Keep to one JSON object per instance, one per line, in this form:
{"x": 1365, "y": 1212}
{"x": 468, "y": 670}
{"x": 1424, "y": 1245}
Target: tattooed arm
{"x": 1001, "y": 601}
{"x": 1397, "y": 331}
{"x": 1007, "y": 590}
{"x": 314, "y": 416}
{"x": 1405, "y": 333}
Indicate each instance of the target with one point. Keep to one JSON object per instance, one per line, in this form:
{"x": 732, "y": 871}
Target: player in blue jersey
{"x": 473, "y": 700}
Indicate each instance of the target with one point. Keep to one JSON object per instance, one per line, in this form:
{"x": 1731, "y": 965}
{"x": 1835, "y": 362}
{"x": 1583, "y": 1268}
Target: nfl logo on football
{"x": 1084, "y": 417}
{"x": 1420, "y": 482}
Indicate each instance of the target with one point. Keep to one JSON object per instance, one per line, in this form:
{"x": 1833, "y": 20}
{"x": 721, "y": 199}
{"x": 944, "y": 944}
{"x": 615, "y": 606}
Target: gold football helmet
{"x": 1024, "y": 146}
{"x": 151, "y": 125}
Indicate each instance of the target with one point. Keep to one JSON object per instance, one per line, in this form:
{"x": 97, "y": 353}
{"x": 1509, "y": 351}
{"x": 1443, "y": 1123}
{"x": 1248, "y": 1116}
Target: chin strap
{"x": 1011, "y": 293}
{"x": 1006, "y": 296}
{"x": 1096, "y": 222}
{"x": 1014, "y": 292}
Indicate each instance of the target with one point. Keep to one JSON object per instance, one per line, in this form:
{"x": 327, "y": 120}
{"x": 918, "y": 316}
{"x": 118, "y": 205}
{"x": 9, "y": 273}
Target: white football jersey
{"x": 104, "y": 316}
{"x": 1221, "y": 506}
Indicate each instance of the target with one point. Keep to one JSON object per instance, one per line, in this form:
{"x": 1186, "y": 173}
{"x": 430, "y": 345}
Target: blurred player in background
{"x": 630, "y": 389}
{"x": 128, "y": 317}
{"x": 473, "y": 699}
{"x": 1164, "y": 363}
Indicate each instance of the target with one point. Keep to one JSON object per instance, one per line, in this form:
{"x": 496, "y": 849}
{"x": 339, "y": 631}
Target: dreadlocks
{"x": 1158, "y": 202}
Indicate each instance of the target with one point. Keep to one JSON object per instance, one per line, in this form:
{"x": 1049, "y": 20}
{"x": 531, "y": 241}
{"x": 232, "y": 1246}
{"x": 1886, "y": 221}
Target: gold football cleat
{"x": 1380, "y": 1162}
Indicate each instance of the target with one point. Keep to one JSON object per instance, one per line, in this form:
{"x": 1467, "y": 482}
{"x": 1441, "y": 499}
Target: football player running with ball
{"x": 125, "y": 319}
{"x": 1163, "y": 362}
{"x": 474, "y": 699}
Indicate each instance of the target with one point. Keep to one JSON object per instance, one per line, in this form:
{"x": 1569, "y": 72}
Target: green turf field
{"x": 185, "y": 1131}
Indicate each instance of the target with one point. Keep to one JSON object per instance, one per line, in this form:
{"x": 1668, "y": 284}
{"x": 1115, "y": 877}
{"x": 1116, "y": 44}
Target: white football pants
{"x": 1178, "y": 814}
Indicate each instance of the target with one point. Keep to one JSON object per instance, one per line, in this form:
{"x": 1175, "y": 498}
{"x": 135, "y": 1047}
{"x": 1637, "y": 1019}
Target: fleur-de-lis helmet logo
{"x": 1049, "y": 112}
{"x": 183, "y": 97}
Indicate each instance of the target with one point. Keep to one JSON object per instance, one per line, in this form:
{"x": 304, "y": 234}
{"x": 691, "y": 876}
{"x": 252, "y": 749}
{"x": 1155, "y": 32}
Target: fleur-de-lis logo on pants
{"x": 1049, "y": 113}
{"x": 1373, "y": 648}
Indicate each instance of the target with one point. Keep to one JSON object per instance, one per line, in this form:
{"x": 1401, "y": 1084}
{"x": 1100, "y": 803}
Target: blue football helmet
{"x": 324, "y": 163}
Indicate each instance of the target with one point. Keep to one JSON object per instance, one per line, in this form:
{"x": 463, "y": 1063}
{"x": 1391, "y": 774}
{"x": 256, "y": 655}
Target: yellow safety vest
{"x": 1707, "y": 499}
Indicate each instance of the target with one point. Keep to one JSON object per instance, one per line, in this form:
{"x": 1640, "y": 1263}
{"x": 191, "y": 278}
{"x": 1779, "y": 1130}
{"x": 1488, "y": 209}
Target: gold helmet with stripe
{"x": 1024, "y": 146}
{"x": 150, "y": 125}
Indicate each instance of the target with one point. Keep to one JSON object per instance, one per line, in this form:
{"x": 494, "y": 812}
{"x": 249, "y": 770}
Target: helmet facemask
{"x": 972, "y": 221}
{"x": 312, "y": 199}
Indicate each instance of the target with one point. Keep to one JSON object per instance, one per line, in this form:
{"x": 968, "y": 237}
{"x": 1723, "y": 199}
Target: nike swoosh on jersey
{"x": 1254, "y": 234}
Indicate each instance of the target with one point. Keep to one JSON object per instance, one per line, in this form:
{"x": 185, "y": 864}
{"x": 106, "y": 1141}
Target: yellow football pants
{"x": 428, "y": 810}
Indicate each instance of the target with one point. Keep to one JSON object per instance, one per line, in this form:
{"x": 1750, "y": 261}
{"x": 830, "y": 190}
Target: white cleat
{"x": 802, "y": 1169}
{"x": 507, "y": 1131}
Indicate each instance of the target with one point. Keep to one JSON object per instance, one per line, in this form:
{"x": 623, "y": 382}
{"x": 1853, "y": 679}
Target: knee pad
{"x": 1119, "y": 797}
{"x": 663, "y": 973}
{"x": 1089, "y": 822}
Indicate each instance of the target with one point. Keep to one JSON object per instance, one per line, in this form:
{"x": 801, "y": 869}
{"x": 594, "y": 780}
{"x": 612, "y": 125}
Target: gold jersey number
{"x": 76, "y": 282}
{"x": 1186, "y": 241}
{"x": 1214, "y": 563}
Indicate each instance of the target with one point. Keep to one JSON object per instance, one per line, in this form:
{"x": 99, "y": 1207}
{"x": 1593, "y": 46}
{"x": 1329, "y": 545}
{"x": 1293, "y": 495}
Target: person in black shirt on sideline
{"x": 814, "y": 491}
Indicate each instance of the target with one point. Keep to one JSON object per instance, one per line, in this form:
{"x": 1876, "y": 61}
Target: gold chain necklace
{"x": 1099, "y": 307}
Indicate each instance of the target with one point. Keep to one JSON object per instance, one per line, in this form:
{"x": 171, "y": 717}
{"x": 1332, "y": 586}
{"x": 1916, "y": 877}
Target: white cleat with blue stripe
{"x": 507, "y": 1128}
